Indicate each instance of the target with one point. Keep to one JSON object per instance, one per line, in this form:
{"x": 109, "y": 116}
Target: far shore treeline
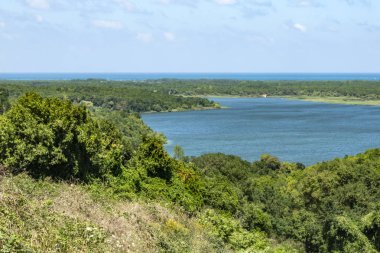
{"x": 173, "y": 95}
{"x": 68, "y": 145}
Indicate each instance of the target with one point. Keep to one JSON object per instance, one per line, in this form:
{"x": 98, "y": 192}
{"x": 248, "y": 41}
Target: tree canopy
{"x": 4, "y": 103}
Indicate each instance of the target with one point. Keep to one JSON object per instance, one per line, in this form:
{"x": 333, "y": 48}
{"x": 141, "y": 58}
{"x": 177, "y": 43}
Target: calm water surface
{"x": 292, "y": 130}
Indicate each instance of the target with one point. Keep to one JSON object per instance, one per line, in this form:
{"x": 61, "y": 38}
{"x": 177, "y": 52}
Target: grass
{"x": 337, "y": 100}
{"x": 332, "y": 100}
{"x": 47, "y": 216}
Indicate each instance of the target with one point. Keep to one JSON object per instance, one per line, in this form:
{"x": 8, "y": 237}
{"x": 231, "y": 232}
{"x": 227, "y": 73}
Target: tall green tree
{"x": 53, "y": 137}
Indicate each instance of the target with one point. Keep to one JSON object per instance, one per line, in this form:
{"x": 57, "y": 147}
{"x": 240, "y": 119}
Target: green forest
{"x": 81, "y": 172}
{"x": 115, "y": 96}
{"x": 177, "y": 95}
{"x": 355, "y": 89}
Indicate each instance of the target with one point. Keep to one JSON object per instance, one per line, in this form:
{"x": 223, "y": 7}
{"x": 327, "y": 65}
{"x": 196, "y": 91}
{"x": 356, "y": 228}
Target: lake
{"x": 293, "y": 130}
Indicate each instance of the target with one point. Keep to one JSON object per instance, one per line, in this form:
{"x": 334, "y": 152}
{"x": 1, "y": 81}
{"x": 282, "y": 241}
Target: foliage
{"x": 344, "y": 236}
{"x": 177, "y": 95}
{"x": 4, "y": 103}
{"x": 322, "y": 206}
{"x": 115, "y": 96}
{"x": 130, "y": 124}
{"x": 52, "y": 137}
{"x": 371, "y": 228}
{"x": 179, "y": 154}
{"x": 264, "y": 206}
{"x": 153, "y": 158}
{"x": 231, "y": 232}
{"x": 48, "y": 216}
{"x": 26, "y": 215}
{"x": 366, "y": 90}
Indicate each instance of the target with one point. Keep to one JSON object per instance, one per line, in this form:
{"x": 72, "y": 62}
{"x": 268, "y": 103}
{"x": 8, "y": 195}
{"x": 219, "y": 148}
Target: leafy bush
{"x": 53, "y": 137}
{"x": 344, "y": 236}
{"x": 371, "y": 228}
{"x": 254, "y": 218}
{"x": 230, "y": 231}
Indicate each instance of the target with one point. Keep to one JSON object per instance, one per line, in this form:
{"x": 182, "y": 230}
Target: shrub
{"x": 53, "y": 137}
{"x": 344, "y": 236}
{"x": 372, "y": 228}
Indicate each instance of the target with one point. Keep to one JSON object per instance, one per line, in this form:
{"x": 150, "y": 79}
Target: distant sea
{"x": 189, "y": 76}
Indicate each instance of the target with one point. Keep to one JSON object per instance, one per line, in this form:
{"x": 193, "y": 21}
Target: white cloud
{"x": 363, "y": 2}
{"x": 39, "y": 18}
{"x": 126, "y": 4}
{"x": 226, "y": 2}
{"x": 164, "y": 1}
{"x": 108, "y": 24}
{"x": 39, "y": 4}
{"x": 169, "y": 36}
{"x": 145, "y": 37}
{"x": 306, "y": 3}
{"x": 299, "y": 27}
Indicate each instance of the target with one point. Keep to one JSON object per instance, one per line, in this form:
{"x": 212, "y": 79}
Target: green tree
{"x": 154, "y": 159}
{"x": 372, "y": 228}
{"x": 269, "y": 162}
{"x": 342, "y": 235}
{"x": 179, "y": 154}
{"x": 53, "y": 137}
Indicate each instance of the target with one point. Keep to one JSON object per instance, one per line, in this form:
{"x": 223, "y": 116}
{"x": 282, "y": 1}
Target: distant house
{"x": 264, "y": 95}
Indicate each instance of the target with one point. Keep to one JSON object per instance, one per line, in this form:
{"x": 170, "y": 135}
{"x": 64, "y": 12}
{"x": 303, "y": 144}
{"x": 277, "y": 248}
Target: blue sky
{"x": 189, "y": 36}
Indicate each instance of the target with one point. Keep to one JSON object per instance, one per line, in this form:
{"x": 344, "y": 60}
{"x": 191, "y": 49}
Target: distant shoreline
{"x": 187, "y": 110}
{"x": 337, "y": 100}
{"x": 330, "y": 100}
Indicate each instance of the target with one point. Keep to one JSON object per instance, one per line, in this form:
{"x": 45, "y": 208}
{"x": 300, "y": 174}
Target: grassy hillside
{"x": 48, "y": 216}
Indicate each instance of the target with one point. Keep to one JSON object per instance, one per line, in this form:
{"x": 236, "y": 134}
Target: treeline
{"x": 357, "y": 89}
{"x": 173, "y": 95}
{"x": 264, "y": 206}
{"x": 109, "y": 95}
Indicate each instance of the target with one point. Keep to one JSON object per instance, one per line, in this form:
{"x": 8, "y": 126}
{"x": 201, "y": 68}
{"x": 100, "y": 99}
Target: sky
{"x": 189, "y": 36}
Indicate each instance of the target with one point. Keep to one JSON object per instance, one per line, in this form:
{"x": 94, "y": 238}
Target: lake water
{"x": 229, "y": 76}
{"x": 292, "y": 130}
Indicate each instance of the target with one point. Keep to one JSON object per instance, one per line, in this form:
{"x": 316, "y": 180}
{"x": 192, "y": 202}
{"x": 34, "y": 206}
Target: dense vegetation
{"x": 356, "y": 89}
{"x": 331, "y": 206}
{"x": 173, "y": 95}
{"x": 4, "y": 103}
{"x": 120, "y": 96}
{"x": 73, "y": 179}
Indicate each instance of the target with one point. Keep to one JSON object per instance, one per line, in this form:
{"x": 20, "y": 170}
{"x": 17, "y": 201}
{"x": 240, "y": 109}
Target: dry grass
{"x": 337, "y": 100}
{"x": 58, "y": 217}
{"x": 133, "y": 226}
